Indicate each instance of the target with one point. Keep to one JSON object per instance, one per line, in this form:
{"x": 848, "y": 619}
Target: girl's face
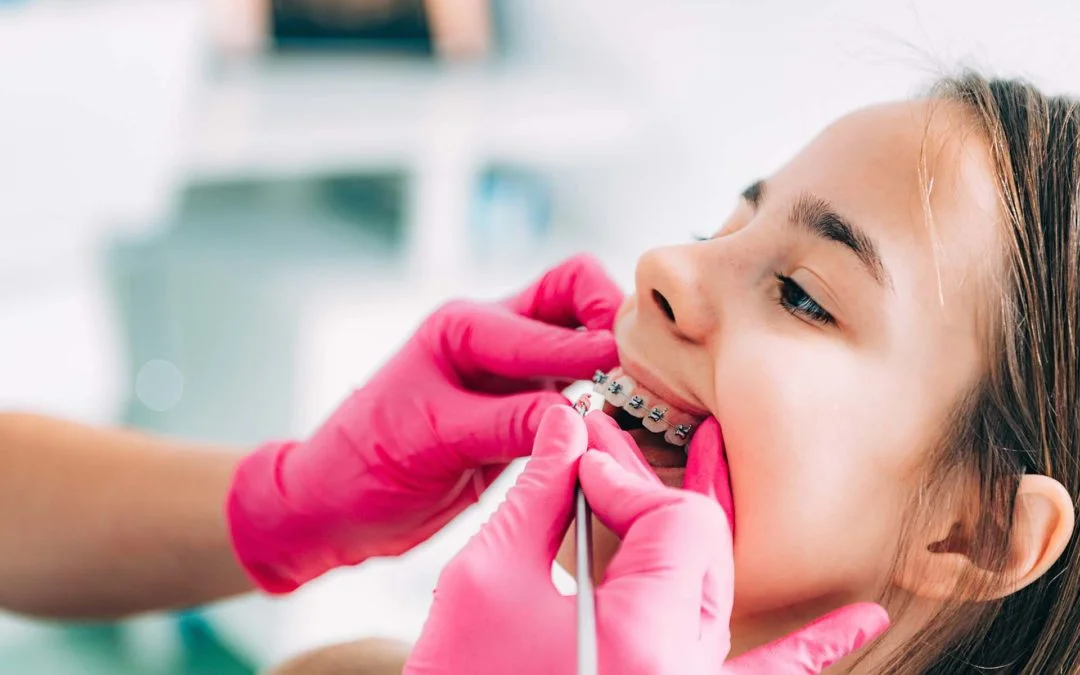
{"x": 830, "y": 326}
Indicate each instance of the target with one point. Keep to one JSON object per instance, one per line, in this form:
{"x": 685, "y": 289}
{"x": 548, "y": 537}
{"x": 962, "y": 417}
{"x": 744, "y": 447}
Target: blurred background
{"x": 219, "y": 216}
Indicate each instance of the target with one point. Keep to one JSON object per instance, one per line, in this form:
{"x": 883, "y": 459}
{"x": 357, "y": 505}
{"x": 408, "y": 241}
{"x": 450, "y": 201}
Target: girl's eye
{"x": 797, "y": 301}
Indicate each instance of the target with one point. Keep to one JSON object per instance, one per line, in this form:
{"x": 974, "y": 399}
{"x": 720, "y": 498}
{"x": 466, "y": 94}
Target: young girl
{"x": 885, "y": 330}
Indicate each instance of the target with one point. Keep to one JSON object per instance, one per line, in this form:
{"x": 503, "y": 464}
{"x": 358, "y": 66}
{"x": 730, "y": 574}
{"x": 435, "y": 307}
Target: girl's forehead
{"x": 902, "y": 152}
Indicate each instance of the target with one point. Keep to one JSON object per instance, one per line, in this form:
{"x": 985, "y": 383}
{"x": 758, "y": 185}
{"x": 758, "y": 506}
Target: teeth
{"x": 678, "y": 435}
{"x": 655, "y": 421}
{"x": 616, "y": 392}
{"x": 635, "y": 406}
{"x": 621, "y": 391}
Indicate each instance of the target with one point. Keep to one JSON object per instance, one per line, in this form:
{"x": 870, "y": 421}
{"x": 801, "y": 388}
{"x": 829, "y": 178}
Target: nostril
{"x": 663, "y": 304}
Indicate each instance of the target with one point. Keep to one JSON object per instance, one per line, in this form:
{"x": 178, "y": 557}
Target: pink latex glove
{"x": 664, "y": 605}
{"x": 433, "y": 428}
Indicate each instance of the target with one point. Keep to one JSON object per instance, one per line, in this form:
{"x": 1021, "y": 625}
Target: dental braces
{"x": 654, "y": 418}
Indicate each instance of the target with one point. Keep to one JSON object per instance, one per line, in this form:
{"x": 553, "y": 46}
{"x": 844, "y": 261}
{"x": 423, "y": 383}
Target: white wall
{"x": 740, "y": 86}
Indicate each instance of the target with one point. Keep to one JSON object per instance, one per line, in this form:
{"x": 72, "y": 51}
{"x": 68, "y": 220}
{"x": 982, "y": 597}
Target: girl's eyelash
{"x": 699, "y": 237}
{"x": 799, "y": 303}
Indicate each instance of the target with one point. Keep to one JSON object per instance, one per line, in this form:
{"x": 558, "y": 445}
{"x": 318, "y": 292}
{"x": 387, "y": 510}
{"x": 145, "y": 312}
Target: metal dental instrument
{"x": 586, "y": 598}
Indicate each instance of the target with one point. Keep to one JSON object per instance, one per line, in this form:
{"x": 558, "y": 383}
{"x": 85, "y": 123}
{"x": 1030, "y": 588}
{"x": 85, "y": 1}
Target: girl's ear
{"x": 1042, "y": 527}
{"x": 1043, "y": 523}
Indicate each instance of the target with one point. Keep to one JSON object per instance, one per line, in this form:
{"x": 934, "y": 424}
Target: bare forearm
{"x": 101, "y": 523}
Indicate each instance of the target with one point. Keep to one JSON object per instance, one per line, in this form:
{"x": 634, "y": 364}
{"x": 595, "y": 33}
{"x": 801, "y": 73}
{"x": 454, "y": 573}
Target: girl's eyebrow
{"x": 821, "y": 219}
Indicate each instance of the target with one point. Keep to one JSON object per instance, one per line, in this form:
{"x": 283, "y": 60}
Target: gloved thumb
{"x": 487, "y": 339}
{"x": 673, "y": 571}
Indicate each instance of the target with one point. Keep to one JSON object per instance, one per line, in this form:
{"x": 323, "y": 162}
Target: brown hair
{"x": 1024, "y": 416}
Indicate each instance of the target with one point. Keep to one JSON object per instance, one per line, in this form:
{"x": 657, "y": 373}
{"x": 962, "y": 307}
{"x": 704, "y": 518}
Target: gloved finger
{"x": 498, "y": 429}
{"x": 606, "y": 436}
{"x": 577, "y": 292}
{"x": 487, "y": 339}
{"x": 531, "y": 523}
{"x": 707, "y": 472}
{"x": 676, "y": 548}
{"x": 814, "y": 648}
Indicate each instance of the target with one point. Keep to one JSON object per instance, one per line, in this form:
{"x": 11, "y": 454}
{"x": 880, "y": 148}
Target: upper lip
{"x": 655, "y": 385}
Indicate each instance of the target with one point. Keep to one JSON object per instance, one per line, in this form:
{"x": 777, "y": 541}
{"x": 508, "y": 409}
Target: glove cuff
{"x": 273, "y": 540}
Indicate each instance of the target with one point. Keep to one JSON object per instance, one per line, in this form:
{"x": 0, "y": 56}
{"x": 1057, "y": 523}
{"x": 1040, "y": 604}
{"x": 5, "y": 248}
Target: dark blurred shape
{"x": 398, "y": 25}
{"x": 444, "y": 28}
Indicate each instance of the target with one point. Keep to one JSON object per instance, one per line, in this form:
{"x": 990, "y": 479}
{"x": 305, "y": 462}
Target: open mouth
{"x": 658, "y": 453}
{"x": 661, "y": 430}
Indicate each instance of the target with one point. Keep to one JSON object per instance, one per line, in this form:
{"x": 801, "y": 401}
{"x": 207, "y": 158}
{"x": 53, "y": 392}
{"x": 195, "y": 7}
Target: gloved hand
{"x": 421, "y": 441}
{"x": 664, "y": 605}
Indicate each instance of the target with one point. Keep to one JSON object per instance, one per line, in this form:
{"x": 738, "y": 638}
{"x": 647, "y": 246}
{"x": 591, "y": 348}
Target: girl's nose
{"x": 670, "y": 292}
